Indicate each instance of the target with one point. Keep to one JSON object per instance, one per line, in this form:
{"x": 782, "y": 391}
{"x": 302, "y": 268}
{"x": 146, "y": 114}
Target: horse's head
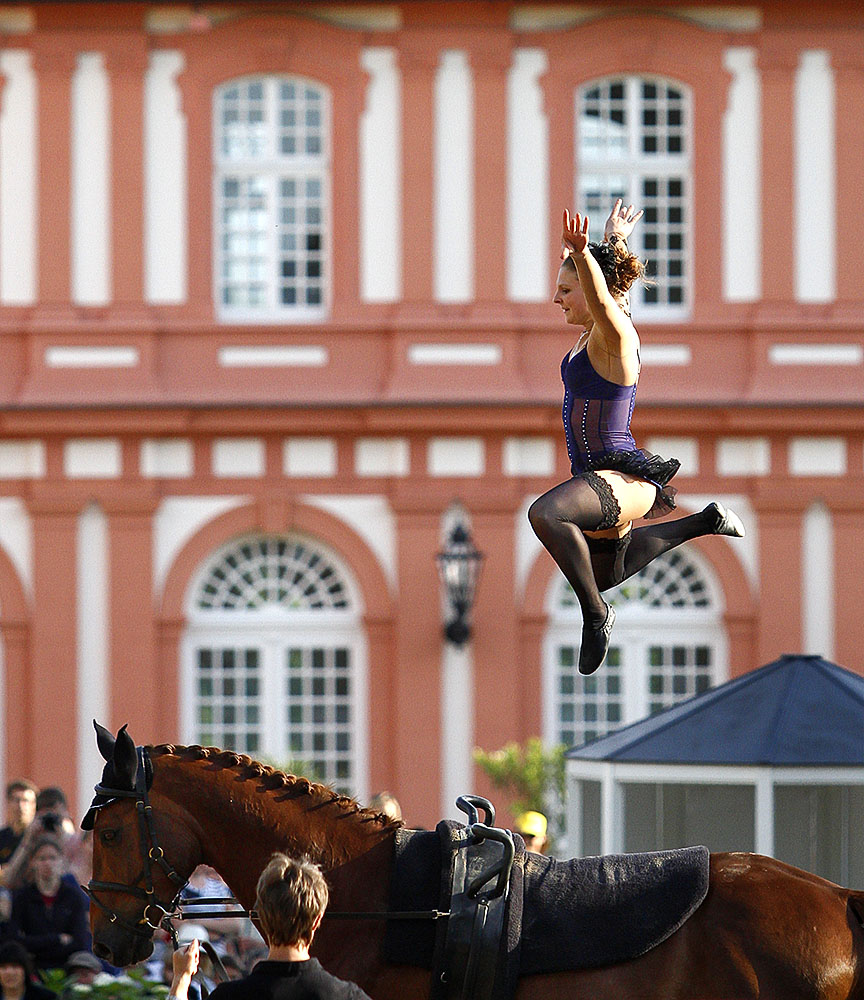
{"x": 142, "y": 856}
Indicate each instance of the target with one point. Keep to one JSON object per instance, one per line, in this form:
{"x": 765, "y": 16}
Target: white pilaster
{"x": 815, "y": 172}
{"x": 818, "y": 582}
{"x": 92, "y": 621}
{"x": 741, "y": 173}
{"x": 91, "y": 237}
{"x": 165, "y": 222}
{"x": 457, "y": 729}
{"x": 527, "y": 179}
{"x": 764, "y": 813}
{"x": 380, "y": 180}
{"x": 454, "y": 180}
{"x": 17, "y": 180}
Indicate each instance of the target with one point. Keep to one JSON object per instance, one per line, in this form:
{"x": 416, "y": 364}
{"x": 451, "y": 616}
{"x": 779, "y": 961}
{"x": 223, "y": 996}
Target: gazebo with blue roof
{"x": 772, "y": 762}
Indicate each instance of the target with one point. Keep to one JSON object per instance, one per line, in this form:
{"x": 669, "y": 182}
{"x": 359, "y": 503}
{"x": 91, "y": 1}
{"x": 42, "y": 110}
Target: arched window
{"x": 271, "y": 194}
{"x": 275, "y": 659}
{"x": 668, "y": 644}
{"x": 633, "y": 142}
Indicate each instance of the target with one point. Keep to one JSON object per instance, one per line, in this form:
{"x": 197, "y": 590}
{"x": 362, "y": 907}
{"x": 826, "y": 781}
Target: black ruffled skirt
{"x": 643, "y": 465}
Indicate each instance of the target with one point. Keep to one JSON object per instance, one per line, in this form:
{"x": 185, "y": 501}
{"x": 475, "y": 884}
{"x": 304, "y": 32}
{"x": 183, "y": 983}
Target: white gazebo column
{"x": 573, "y": 825}
{"x": 611, "y": 797}
{"x": 764, "y": 812}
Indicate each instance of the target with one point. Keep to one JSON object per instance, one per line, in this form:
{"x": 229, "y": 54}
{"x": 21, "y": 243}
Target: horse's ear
{"x": 105, "y": 741}
{"x": 125, "y": 760}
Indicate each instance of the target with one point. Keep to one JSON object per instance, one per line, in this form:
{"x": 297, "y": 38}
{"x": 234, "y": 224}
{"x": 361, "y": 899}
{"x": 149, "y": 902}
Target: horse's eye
{"x": 106, "y": 836}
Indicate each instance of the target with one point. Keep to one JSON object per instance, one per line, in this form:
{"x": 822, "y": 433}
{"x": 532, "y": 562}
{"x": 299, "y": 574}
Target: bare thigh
{"x": 635, "y": 498}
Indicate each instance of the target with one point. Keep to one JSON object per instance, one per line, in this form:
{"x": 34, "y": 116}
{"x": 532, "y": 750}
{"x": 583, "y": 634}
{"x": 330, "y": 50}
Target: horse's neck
{"x": 239, "y": 826}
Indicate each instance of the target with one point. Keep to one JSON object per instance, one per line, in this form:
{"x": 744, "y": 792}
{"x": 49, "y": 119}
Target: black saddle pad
{"x": 576, "y": 914}
{"x": 597, "y": 911}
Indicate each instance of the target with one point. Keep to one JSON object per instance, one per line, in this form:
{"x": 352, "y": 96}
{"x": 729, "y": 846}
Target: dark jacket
{"x": 288, "y": 981}
{"x": 39, "y": 927}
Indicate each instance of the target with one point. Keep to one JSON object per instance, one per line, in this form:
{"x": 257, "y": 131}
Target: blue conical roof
{"x": 796, "y": 711}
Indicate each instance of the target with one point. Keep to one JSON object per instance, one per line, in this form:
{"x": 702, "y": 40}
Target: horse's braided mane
{"x": 273, "y": 780}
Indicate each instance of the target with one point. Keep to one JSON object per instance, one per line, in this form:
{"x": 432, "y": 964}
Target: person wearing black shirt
{"x": 292, "y": 897}
{"x": 20, "y": 810}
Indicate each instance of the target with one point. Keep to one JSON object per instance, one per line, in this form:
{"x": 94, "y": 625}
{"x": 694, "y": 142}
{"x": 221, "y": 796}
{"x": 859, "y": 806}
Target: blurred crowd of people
{"x": 44, "y": 914}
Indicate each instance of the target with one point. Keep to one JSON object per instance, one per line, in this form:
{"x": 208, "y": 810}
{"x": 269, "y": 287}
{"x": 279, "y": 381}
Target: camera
{"x": 52, "y": 822}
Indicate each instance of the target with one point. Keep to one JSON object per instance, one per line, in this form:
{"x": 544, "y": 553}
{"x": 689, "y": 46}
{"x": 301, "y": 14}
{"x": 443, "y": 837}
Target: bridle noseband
{"x": 151, "y": 852}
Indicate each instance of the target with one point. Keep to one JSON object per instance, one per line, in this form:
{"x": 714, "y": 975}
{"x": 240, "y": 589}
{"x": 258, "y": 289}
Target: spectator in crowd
{"x": 17, "y": 977}
{"x": 531, "y": 827}
{"x": 50, "y": 915}
{"x": 387, "y": 804}
{"x": 292, "y": 897}
{"x": 52, "y": 819}
{"x": 82, "y": 967}
{"x": 20, "y": 810}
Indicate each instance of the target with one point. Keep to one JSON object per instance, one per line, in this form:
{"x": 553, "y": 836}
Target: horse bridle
{"x": 151, "y": 852}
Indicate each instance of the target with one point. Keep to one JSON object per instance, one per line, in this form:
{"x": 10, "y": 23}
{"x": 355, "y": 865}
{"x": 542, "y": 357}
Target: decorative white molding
{"x": 167, "y": 458}
{"x": 816, "y": 354}
{"x": 673, "y": 355}
{"x": 382, "y": 457}
{"x": 309, "y": 456}
{"x": 274, "y": 356}
{"x": 743, "y": 456}
{"x": 456, "y": 456}
{"x": 454, "y": 354}
{"x": 371, "y": 517}
{"x": 238, "y": 458}
{"x": 177, "y": 520}
{"x": 817, "y": 582}
{"x": 22, "y": 459}
{"x": 529, "y": 456}
{"x": 685, "y": 449}
{"x": 817, "y": 456}
{"x": 85, "y": 356}
{"x": 92, "y": 458}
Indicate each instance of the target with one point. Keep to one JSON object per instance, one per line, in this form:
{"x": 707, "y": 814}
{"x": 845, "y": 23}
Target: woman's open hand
{"x": 621, "y": 221}
{"x": 574, "y": 236}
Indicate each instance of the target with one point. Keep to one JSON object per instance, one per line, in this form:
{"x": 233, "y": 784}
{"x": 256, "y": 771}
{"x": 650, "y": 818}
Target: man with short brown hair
{"x": 292, "y": 897}
{"x": 20, "y": 810}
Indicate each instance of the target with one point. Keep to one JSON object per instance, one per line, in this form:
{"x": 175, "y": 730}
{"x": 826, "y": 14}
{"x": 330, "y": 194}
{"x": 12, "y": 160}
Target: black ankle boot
{"x": 595, "y": 643}
{"x": 727, "y": 521}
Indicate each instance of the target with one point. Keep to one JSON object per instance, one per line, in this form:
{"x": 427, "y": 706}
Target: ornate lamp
{"x": 459, "y": 565}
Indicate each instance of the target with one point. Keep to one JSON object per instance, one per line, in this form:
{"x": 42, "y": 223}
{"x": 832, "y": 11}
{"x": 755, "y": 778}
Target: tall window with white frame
{"x": 668, "y": 645}
{"x": 274, "y": 659}
{"x": 271, "y": 199}
{"x": 633, "y": 142}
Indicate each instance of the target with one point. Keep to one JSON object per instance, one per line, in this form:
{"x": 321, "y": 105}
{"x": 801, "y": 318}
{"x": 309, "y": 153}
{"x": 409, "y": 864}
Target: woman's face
{"x": 568, "y": 295}
{"x": 12, "y": 978}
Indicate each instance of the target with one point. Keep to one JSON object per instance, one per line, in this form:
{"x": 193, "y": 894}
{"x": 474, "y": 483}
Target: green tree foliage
{"x": 531, "y": 774}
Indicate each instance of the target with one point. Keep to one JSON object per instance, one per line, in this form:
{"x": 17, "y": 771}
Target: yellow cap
{"x": 531, "y": 824}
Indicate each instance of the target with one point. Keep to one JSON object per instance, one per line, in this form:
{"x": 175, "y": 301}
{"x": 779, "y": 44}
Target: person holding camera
{"x": 50, "y": 915}
{"x": 52, "y": 819}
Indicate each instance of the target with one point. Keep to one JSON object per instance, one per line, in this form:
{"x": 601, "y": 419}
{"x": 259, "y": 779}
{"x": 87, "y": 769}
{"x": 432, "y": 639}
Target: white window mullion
{"x": 274, "y": 699}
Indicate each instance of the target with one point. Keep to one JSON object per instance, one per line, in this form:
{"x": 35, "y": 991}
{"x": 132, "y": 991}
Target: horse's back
{"x": 765, "y": 929}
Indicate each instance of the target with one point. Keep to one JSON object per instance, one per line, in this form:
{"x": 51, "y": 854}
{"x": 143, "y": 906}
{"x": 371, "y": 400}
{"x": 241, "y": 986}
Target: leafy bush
{"x": 532, "y": 774}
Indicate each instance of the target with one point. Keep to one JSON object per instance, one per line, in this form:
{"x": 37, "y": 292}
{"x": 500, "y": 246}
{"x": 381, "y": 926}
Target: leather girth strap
{"x": 471, "y": 953}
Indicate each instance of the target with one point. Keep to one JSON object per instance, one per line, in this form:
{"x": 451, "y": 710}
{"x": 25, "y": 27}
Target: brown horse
{"x": 765, "y": 929}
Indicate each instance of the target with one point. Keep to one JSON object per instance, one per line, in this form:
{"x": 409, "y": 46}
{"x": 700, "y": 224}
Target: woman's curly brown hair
{"x": 620, "y": 268}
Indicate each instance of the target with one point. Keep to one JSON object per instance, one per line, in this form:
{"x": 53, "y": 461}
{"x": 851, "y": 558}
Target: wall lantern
{"x": 459, "y": 565}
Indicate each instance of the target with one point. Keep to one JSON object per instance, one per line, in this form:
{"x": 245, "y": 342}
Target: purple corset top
{"x": 596, "y": 413}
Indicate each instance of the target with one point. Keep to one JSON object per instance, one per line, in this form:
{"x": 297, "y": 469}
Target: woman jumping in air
{"x": 586, "y": 524}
